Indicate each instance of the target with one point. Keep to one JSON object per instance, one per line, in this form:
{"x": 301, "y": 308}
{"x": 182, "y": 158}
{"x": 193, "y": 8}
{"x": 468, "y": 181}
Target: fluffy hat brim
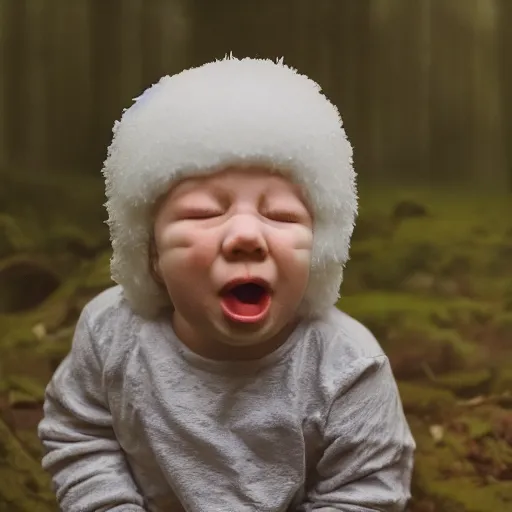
{"x": 229, "y": 112}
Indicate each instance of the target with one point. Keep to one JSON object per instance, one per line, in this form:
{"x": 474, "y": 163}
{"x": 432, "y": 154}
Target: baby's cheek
{"x": 293, "y": 251}
{"x": 201, "y": 255}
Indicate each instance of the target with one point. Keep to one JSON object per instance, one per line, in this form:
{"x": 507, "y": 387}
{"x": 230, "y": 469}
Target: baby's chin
{"x": 267, "y": 337}
{"x": 243, "y": 336}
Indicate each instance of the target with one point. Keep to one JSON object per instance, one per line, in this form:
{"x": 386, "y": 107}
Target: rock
{"x": 25, "y": 282}
{"x": 437, "y": 433}
{"x": 372, "y": 226}
{"x": 39, "y": 331}
{"x": 420, "y": 282}
{"x": 447, "y": 288}
{"x": 407, "y": 209}
{"x": 72, "y": 240}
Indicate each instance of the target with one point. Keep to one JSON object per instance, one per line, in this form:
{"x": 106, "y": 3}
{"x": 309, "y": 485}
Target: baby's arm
{"x": 368, "y": 462}
{"x": 88, "y": 467}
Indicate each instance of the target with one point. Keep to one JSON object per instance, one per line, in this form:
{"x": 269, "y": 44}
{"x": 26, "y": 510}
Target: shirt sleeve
{"x": 88, "y": 468}
{"x": 368, "y": 463}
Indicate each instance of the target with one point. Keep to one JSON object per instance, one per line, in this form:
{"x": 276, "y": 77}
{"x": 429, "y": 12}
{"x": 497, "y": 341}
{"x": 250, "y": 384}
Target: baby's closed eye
{"x": 283, "y": 216}
{"x": 199, "y": 213}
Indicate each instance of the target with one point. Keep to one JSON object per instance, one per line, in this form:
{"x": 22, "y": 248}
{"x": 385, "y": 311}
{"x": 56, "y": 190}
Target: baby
{"x": 219, "y": 375}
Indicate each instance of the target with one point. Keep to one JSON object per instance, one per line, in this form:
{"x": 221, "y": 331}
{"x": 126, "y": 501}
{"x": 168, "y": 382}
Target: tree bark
{"x": 106, "y": 68}
{"x": 3, "y": 100}
{"x": 488, "y": 151}
{"x": 132, "y": 81}
{"x": 175, "y": 22}
{"x": 505, "y": 67}
{"x": 14, "y": 106}
{"x": 34, "y": 85}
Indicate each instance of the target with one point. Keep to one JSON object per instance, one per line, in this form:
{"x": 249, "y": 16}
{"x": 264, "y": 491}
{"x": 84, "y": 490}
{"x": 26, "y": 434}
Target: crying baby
{"x": 218, "y": 374}
{"x": 233, "y": 251}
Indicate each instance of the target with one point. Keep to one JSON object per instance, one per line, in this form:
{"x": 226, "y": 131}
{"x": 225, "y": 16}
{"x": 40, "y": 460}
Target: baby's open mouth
{"x": 248, "y": 293}
{"x": 246, "y": 302}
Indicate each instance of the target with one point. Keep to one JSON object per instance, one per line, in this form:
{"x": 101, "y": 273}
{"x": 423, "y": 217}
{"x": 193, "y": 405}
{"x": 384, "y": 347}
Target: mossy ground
{"x": 430, "y": 275}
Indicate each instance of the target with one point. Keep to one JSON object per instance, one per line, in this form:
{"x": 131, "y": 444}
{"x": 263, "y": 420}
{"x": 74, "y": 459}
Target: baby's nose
{"x": 245, "y": 241}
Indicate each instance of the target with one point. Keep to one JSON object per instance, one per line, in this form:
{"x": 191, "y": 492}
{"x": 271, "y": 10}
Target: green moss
{"x": 422, "y": 400}
{"x": 445, "y": 474}
{"x": 468, "y": 495}
{"x": 466, "y": 384}
{"x": 62, "y": 306}
{"x": 476, "y": 427}
{"x": 462, "y": 246}
{"x": 55, "y": 349}
{"x": 27, "y": 386}
{"x": 503, "y": 381}
{"x": 387, "y": 263}
{"x": 12, "y": 236}
{"x": 72, "y": 238}
{"x": 466, "y": 210}
{"x": 98, "y": 274}
{"x": 503, "y": 324}
{"x": 415, "y": 330}
{"x": 414, "y": 307}
{"x": 31, "y": 443}
{"x": 22, "y": 480}
{"x": 16, "y": 333}
{"x": 16, "y": 398}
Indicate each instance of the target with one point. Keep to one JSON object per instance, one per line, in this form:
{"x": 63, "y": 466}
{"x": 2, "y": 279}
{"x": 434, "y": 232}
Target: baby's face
{"x": 234, "y": 252}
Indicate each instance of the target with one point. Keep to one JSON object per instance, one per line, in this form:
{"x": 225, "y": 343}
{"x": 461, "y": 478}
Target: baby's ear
{"x": 154, "y": 269}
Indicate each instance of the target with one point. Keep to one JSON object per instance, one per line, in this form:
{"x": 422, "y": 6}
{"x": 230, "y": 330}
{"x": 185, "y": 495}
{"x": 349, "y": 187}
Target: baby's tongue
{"x": 242, "y": 308}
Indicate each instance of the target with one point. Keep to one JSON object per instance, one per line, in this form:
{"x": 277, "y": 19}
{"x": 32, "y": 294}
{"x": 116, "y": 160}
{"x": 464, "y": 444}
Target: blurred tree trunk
{"x": 155, "y": 41}
{"x": 70, "y": 85}
{"x": 166, "y": 38}
{"x": 131, "y": 59}
{"x": 12, "y": 52}
{"x": 216, "y": 29}
{"x": 379, "y": 61}
{"x": 466, "y": 100}
{"x": 253, "y": 28}
{"x": 403, "y": 89}
{"x": 175, "y": 22}
{"x": 488, "y": 166}
{"x": 352, "y": 67}
{"x": 301, "y": 21}
{"x": 34, "y": 85}
{"x": 505, "y": 64}
{"x": 151, "y": 41}
{"x": 325, "y": 29}
{"x": 3, "y": 99}
{"x": 417, "y": 44}
{"x": 106, "y": 36}
{"x": 451, "y": 112}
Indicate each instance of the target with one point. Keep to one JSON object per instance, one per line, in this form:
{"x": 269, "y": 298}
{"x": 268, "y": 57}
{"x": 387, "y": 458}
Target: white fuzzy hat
{"x": 229, "y": 112}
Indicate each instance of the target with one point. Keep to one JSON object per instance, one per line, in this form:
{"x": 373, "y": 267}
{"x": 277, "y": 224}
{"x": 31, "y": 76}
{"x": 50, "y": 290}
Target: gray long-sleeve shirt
{"x": 134, "y": 421}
